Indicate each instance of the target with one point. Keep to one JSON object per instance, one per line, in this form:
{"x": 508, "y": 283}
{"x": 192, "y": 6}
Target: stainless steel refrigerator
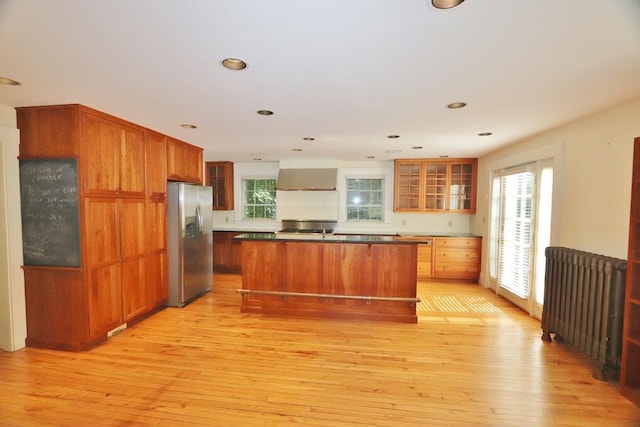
{"x": 190, "y": 240}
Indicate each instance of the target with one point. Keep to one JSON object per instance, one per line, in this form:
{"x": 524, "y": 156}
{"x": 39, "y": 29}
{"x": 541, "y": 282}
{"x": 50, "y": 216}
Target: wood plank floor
{"x": 472, "y": 359}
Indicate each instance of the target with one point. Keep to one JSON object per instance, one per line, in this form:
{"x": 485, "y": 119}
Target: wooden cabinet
{"x": 114, "y": 159}
{"x": 321, "y": 269}
{"x": 227, "y": 252}
{"x": 456, "y": 258}
{"x": 122, "y": 226}
{"x": 156, "y": 164}
{"x": 630, "y": 368}
{"x": 219, "y": 175}
{"x": 435, "y": 185}
{"x": 424, "y": 260}
{"x": 184, "y": 162}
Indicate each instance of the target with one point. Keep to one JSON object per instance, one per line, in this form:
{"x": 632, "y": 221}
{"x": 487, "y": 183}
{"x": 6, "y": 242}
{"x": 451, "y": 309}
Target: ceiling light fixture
{"x": 456, "y": 105}
{"x": 371, "y": 157}
{"x": 296, "y": 149}
{"x": 446, "y": 4}
{"x": 9, "y": 82}
{"x": 393, "y": 136}
{"x": 265, "y": 112}
{"x": 485, "y": 133}
{"x": 308, "y": 138}
{"x": 234, "y": 64}
{"x": 417, "y": 147}
{"x": 444, "y": 156}
{"x": 188, "y": 126}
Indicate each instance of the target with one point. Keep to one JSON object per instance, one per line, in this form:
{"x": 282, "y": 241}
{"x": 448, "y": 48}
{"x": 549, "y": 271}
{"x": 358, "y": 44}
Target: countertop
{"x": 345, "y": 238}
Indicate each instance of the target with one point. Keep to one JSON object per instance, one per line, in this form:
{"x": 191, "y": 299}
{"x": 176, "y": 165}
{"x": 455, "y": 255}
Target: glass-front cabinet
{"x": 219, "y": 175}
{"x": 435, "y": 185}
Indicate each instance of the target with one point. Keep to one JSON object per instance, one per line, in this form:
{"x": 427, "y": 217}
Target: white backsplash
{"x": 308, "y": 205}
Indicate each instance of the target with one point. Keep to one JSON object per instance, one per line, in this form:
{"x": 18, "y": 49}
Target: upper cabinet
{"x": 435, "y": 185}
{"x": 219, "y": 175}
{"x": 184, "y": 162}
{"x": 156, "y": 164}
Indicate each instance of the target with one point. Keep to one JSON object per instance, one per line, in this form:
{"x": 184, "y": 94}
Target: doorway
{"x": 519, "y": 232}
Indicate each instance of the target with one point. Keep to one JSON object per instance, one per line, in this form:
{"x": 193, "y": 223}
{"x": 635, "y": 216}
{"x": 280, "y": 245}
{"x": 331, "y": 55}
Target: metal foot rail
{"x": 327, "y": 296}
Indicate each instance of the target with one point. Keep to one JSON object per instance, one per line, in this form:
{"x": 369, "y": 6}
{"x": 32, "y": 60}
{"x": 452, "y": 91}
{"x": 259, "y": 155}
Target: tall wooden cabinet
{"x": 630, "y": 366}
{"x": 122, "y": 174}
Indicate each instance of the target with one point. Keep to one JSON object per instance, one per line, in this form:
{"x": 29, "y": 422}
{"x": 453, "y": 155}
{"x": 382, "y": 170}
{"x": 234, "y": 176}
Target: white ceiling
{"x": 346, "y": 72}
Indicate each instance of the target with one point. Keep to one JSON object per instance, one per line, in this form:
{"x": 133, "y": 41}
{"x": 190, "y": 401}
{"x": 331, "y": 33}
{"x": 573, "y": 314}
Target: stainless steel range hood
{"x": 307, "y": 179}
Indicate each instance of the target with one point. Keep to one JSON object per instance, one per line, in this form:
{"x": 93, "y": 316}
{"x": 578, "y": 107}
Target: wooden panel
{"x": 156, "y": 164}
{"x": 156, "y": 278}
{"x": 48, "y": 132}
{"x": 132, "y": 227}
{"x": 100, "y": 225}
{"x": 367, "y": 270}
{"x": 100, "y": 157}
{"x": 184, "y": 161}
{"x": 105, "y": 299}
{"x": 424, "y": 261}
{"x": 56, "y": 307}
{"x": 132, "y": 161}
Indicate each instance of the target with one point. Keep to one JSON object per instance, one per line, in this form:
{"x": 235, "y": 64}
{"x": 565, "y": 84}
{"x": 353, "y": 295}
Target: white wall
{"x": 13, "y": 324}
{"x": 592, "y": 182}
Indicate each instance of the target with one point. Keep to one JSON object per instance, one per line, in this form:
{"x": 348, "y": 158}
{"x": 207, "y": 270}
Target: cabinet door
{"x": 101, "y": 146}
{"x": 102, "y": 262}
{"x": 156, "y": 164}
{"x": 435, "y": 186}
{"x": 408, "y": 185}
{"x": 131, "y": 162}
{"x": 132, "y": 229}
{"x": 184, "y": 162}
{"x": 156, "y": 268}
{"x": 461, "y": 187}
{"x": 219, "y": 175}
{"x": 424, "y": 260}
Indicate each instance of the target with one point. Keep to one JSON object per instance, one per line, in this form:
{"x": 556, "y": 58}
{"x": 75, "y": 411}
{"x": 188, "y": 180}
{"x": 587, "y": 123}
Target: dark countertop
{"x": 334, "y": 238}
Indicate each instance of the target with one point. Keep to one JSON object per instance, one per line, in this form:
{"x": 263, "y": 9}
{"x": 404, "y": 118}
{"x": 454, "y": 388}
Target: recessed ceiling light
{"x": 444, "y": 156}
{"x": 308, "y": 138}
{"x": 393, "y": 151}
{"x": 296, "y": 149}
{"x": 257, "y": 158}
{"x": 456, "y": 105}
{"x": 371, "y": 157}
{"x": 265, "y": 112}
{"x": 9, "y": 82}
{"x": 188, "y": 126}
{"x": 445, "y": 4}
{"x": 234, "y": 64}
{"x": 485, "y": 133}
{"x": 417, "y": 147}
{"x": 393, "y": 136}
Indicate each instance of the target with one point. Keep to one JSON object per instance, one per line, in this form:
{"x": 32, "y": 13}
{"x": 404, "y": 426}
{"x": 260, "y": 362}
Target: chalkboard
{"x": 49, "y": 200}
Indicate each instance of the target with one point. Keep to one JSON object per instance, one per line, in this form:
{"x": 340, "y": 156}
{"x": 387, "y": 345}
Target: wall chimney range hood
{"x": 307, "y": 179}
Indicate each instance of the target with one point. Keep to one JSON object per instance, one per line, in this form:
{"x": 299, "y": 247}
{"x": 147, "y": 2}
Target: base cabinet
{"x": 371, "y": 281}
{"x": 227, "y": 252}
{"x": 456, "y": 258}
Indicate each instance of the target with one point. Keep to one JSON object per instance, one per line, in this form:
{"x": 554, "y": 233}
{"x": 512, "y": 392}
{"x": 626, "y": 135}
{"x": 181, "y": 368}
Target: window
{"x": 259, "y": 198}
{"x": 365, "y": 199}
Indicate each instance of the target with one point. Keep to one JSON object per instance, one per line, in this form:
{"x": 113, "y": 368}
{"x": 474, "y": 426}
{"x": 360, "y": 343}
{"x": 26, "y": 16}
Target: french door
{"x": 520, "y": 232}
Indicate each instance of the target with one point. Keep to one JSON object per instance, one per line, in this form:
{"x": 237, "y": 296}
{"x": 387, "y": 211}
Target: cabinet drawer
{"x": 424, "y": 269}
{"x": 471, "y": 242}
{"x": 463, "y": 255}
{"x": 456, "y": 271}
{"x": 424, "y": 253}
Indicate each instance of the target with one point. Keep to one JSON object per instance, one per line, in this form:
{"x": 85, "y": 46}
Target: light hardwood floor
{"x": 472, "y": 359}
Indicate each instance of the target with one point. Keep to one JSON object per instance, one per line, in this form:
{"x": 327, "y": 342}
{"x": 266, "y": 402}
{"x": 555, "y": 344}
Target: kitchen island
{"x": 369, "y": 277}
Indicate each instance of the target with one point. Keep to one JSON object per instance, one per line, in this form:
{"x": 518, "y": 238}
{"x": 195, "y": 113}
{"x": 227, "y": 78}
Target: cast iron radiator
{"x": 584, "y": 305}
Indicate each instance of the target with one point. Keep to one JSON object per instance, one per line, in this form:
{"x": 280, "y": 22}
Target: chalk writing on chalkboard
{"x": 50, "y": 221}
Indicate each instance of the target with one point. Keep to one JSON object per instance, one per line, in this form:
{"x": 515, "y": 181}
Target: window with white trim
{"x": 365, "y": 199}
{"x": 259, "y": 198}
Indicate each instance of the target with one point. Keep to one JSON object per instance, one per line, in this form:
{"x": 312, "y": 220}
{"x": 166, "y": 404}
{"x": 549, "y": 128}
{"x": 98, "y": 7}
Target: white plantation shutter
{"x": 515, "y": 232}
